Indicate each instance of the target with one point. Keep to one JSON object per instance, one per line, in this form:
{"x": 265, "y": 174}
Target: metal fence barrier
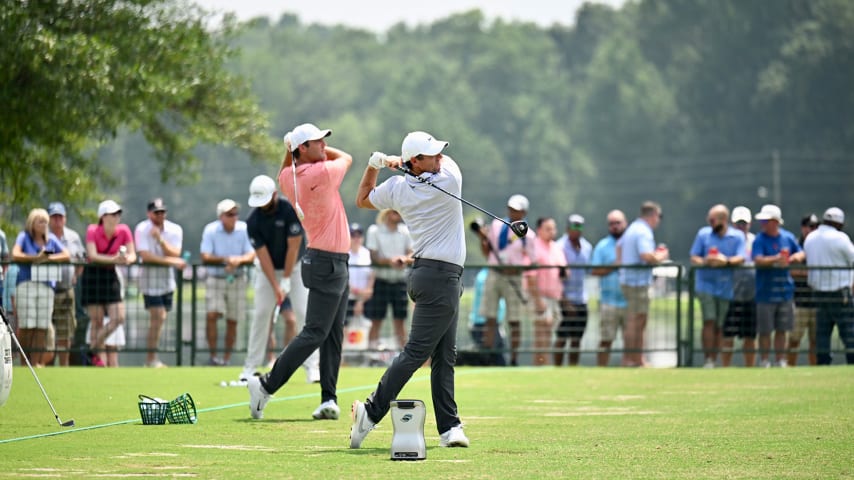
{"x": 673, "y": 334}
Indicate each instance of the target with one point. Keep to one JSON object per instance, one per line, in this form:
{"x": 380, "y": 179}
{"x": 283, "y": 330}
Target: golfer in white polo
{"x": 435, "y": 222}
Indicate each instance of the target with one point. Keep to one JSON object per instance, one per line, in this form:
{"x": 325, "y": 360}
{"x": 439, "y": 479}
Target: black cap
{"x": 156, "y": 205}
{"x": 356, "y": 228}
{"x": 810, "y": 220}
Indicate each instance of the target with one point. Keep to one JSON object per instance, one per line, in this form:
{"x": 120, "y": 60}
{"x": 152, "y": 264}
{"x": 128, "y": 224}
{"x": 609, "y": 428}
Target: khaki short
{"x": 34, "y": 305}
{"x": 804, "y": 323}
{"x": 551, "y": 314}
{"x": 713, "y": 308}
{"x": 226, "y": 297}
{"x": 610, "y": 319}
{"x": 637, "y": 299}
{"x": 508, "y": 287}
{"x": 64, "y": 314}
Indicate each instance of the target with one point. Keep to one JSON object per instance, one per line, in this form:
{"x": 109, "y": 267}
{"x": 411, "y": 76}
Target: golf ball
{"x": 223, "y": 384}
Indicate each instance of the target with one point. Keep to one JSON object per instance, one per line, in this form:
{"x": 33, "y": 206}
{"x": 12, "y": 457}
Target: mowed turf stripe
{"x": 224, "y": 407}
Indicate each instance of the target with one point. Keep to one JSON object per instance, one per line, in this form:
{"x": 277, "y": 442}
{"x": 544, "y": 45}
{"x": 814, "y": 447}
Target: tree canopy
{"x": 77, "y": 72}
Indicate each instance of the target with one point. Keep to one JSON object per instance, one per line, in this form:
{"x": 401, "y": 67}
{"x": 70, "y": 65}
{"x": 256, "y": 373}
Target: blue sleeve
{"x": 697, "y": 248}
{"x": 596, "y": 258}
{"x": 207, "y": 242}
{"x": 757, "y": 247}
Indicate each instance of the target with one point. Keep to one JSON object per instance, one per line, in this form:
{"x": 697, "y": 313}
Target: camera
{"x": 476, "y": 225}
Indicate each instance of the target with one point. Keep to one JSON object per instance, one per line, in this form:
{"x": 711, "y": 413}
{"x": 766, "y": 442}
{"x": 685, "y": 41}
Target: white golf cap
{"x": 770, "y": 212}
{"x": 518, "y": 202}
{"x": 420, "y": 143}
{"x": 261, "y": 190}
{"x": 741, "y": 214}
{"x": 225, "y": 206}
{"x": 834, "y": 214}
{"x": 108, "y": 207}
{"x": 305, "y": 132}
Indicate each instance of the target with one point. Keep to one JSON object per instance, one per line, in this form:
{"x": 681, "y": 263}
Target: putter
{"x": 519, "y": 227}
{"x": 70, "y": 422}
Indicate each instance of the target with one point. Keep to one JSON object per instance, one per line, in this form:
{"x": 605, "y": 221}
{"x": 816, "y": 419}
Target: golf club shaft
{"x": 428, "y": 182}
{"x": 39, "y": 383}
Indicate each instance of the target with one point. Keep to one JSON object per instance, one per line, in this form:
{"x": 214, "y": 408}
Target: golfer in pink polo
{"x": 310, "y": 177}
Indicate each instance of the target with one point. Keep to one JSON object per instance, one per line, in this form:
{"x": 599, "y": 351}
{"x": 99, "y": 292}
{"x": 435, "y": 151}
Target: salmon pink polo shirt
{"x": 325, "y": 221}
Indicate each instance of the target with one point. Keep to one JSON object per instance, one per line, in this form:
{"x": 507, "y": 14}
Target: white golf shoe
{"x": 327, "y": 410}
{"x": 258, "y": 397}
{"x": 361, "y": 424}
{"x": 454, "y": 438}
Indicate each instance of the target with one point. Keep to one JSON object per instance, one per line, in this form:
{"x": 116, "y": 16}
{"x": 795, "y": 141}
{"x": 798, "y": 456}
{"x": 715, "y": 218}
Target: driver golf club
{"x": 70, "y": 422}
{"x": 519, "y": 227}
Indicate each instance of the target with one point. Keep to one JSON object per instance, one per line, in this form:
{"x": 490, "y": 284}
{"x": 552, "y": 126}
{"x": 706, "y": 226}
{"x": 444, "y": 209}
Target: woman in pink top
{"x": 545, "y": 286}
{"x": 109, "y": 243}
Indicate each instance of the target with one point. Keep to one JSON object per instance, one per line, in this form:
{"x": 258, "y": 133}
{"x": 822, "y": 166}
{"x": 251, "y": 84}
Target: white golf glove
{"x": 285, "y": 284}
{"x": 377, "y": 160}
{"x": 287, "y": 141}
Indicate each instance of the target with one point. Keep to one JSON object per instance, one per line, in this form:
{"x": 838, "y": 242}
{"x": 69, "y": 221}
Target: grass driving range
{"x": 522, "y": 422}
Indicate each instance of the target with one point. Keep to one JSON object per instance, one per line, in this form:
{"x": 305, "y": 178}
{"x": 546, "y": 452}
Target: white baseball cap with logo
{"x": 226, "y": 206}
{"x": 519, "y": 202}
{"x": 835, "y": 215}
{"x": 741, "y": 214}
{"x": 305, "y": 132}
{"x": 420, "y": 143}
{"x": 770, "y": 212}
{"x": 108, "y": 207}
{"x": 261, "y": 191}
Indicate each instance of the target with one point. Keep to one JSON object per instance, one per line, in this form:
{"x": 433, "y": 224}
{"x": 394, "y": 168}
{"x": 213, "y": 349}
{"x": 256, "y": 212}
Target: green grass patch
{"x": 523, "y": 423}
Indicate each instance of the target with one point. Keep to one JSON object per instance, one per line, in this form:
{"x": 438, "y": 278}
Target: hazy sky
{"x": 379, "y": 15}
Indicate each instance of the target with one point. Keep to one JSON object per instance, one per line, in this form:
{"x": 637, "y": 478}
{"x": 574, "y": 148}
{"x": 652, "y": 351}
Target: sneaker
{"x": 215, "y": 362}
{"x": 454, "y": 438}
{"x": 327, "y": 410}
{"x": 782, "y": 363}
{"x": 258, "y": 397}
{"x": 709, "y": 364}
{"x": 765, "y": 364}
{"x": 361, "y": 424}
{"x": 155, "y": 364}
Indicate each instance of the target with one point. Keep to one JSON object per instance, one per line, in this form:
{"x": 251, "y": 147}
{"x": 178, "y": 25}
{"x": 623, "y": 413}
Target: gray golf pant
{"x": 435, "y": 287}
{"x": 326, "y": 276}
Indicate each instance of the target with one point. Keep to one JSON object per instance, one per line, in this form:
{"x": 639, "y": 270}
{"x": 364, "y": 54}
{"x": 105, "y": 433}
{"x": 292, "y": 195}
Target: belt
{"x": 313, "y": 252}
{"x": 438, "y": 265}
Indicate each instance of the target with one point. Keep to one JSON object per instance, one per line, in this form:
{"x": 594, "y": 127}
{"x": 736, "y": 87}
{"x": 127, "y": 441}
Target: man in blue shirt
{"x": 773, "y": 250}
{"x": 637, "y": 248}
{"x": 227, "y": 252}
{"x": 573, "y": 305}
{"x": 716, "y": 248}
{"x": 612, "y": 304}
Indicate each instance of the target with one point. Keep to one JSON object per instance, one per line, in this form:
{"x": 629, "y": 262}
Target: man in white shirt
{"x": 158, "y": 243}
{"x": 830, "y": 247}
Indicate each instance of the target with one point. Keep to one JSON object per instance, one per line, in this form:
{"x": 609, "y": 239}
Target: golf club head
{"x": 520, "y": 228}
{"x": 69, "y": 423}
